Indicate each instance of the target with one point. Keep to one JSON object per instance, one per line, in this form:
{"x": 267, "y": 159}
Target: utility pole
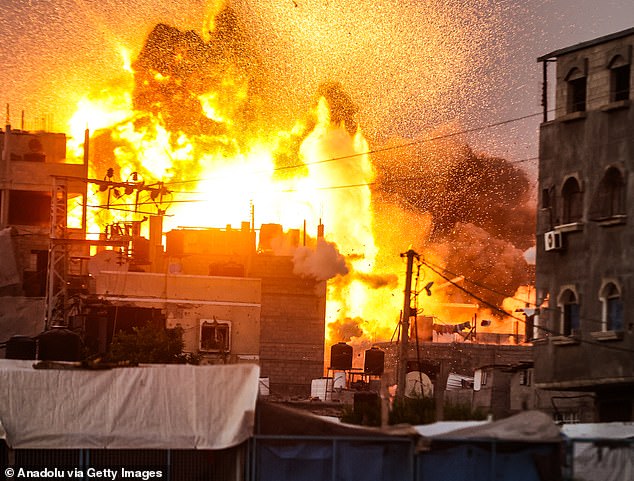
{"x": 403, "y": 347}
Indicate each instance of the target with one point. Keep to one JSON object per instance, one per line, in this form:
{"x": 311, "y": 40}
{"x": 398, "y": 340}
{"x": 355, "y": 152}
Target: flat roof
{"x": 588, "y": 43}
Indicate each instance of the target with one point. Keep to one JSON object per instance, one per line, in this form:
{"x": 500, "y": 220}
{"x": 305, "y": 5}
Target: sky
{"x": 413, "y": 67}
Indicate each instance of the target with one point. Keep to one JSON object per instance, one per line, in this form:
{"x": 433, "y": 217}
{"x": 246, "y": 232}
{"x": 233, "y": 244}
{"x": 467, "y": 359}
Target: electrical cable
{"x": 523, "y": 321}
{"x": 483, "y": 286}
{"x": 412, "y": 143}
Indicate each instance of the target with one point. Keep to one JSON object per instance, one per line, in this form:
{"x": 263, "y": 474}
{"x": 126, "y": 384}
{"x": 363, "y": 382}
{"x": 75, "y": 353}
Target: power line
{"x": 506, "y": 295}
{"x": 523, "y": 321}
{"x": 112, "y": 207}
{"x": 409, "y": 144}
{"x": 290, "y": 190}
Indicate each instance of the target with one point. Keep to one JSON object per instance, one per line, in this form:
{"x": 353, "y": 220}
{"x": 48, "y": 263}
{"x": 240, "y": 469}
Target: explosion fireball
{"x": 192, "y": 115}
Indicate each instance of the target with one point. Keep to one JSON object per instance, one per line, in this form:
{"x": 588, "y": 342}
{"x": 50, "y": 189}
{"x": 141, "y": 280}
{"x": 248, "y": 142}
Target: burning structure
{"x": 184, "y": 140}
{"x": 28, "y": 165}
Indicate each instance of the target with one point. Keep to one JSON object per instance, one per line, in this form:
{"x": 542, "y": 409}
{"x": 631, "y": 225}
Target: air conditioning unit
{"x": 553, "y": 240}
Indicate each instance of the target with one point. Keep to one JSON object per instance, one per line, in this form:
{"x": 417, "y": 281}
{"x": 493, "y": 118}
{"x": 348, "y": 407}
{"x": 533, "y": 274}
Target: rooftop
{"x": 586, "y": 44}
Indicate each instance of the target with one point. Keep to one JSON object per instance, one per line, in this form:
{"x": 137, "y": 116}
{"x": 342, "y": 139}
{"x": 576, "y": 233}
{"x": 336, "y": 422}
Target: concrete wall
{"x": 22, "y": 307}
{"x": 22, "y": 316}
{"x": 185, "y": 287}
{"x": 594, "y": 61}
{"x": 292, "y": 326}
{"x": 460, "y": 358}
{"x": 188, "y": 299}
{"x": 595, "y": 250}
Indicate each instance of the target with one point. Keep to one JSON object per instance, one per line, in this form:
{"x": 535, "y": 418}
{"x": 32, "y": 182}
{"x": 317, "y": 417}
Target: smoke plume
{"x": 322, "y": 262}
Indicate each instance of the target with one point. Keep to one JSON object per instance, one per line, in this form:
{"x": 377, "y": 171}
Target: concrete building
{"x": 504, "y": 390}
{"x": 584, "y": 334}
{"x": 220, "y": 316}
{"x": 443, "y": 361}
{"x": 235, "y": 302}
{"x": 33, "y": 165}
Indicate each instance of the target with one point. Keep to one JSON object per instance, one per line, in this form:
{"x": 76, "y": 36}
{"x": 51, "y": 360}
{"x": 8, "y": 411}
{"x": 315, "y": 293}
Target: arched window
{"x": 610, "y": 196}
{"x": 619, "y": 79}
{"x": 576, "y": 80}
{"x": 572, "y": 200}
{"x": 612, "y": 308}
{"x": 569, "y": 306}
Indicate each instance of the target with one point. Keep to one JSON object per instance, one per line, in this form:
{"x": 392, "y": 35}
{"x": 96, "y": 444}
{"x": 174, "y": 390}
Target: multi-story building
{"x": 33, "y": 165}
{"x": 235, "y": 302}
{"x": 585, "y": 251}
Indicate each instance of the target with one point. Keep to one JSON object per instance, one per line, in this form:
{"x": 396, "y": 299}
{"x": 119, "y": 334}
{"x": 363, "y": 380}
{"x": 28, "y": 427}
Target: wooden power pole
{"x": 403, "y": 347}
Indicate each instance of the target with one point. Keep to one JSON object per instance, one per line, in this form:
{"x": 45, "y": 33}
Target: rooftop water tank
{"x": 21, "y": 347}
{"x": 59, "y": 344}
{"x": 374, "y": 362}
{"x": 341, "y": 357}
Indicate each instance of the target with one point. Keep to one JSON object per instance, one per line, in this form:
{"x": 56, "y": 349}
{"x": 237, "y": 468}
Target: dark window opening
{"x": 610, "y": 197}
{"x": 620, "y": 83}
{"x": 571, "y": 319}
{"x": 615, "y": 314}
{"x": 34, "y": 157}
{"x": 29, "y": 207}
{"x": 615, "y": 410}
{"x": 103, "y": 322}
{"x": 546, "y": 199}
{"x": 572, "y": 201}
{"x": 613, "y": 308}
{"x": 577, "y": 95}
{"x": 214, "y": 336}
{"x": 34, "y": 278}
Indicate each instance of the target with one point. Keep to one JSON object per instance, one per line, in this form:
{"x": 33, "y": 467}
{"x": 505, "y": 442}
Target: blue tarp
{"x": 334, "y": 460}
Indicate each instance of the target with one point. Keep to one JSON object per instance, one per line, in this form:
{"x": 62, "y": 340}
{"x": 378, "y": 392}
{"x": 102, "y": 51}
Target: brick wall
{"x": 292, "y": 326}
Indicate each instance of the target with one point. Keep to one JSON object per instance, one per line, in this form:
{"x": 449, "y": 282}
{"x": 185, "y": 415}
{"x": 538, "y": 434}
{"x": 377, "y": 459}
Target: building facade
{"x": 584, "y": 332}
{"x": 33, "y": 165}
{"x": 235, "y": 302}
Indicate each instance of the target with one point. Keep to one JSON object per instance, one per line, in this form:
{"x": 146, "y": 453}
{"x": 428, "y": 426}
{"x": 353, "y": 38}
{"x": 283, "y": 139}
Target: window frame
{"x": 576, "y": 91}
{"x": 620, "y": 71}
{"x": 572, "y": 201}
{"x": 610, "y": 200}
{"x": 216, "y": 325}
{"x": 610, "y": 290}
{"x": 569, "y": 314}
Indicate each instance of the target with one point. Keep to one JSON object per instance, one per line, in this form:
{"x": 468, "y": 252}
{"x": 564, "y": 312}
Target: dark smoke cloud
{"x": 484, "y": 261}
{"x": 343, "y": 330}
{"x": 456, "y": 185}
{"x": 342, "y": 108}
{"x": 481, "y": 210}
{"x": 190, "y": 67}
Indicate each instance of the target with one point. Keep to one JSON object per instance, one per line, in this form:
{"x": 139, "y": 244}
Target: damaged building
{"x": 237, "y": 301}
{"x": 31, "y": 166}
{"x": 235, "y": 296}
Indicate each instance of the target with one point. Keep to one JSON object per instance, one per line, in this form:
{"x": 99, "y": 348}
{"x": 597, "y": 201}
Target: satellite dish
{"x": 107, "y": 261}
{"x": 414, "y": 388}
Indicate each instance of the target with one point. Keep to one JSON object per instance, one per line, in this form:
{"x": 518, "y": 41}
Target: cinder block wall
{"x": 292, "y": 326}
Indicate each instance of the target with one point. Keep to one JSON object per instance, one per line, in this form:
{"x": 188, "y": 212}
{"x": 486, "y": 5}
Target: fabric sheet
{"x": 147, "y": 407}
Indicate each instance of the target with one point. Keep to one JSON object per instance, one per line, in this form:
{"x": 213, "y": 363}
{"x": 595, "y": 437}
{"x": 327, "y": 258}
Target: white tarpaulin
{"x": 527, "y": 427}
{"x": 149, "y": 407}
{"x": 598, "y": 453}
